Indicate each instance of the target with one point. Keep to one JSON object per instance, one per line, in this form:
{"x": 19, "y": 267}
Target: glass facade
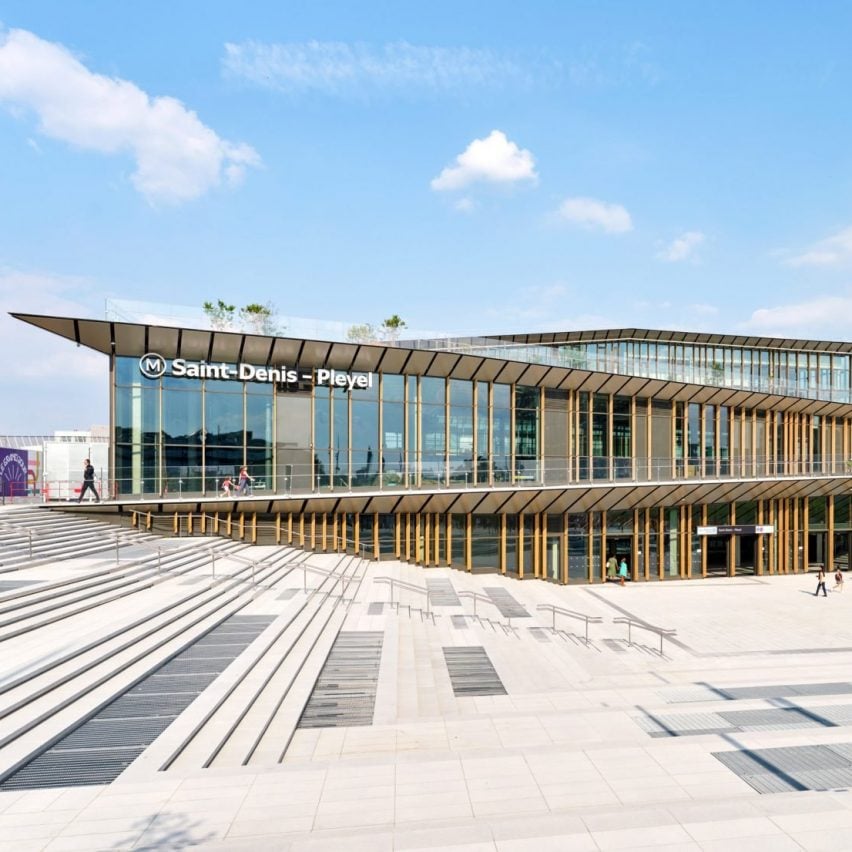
{"x": 810, "y": 374}
{"x": 186, "y": 435}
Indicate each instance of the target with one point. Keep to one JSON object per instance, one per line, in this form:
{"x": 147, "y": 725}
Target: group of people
{"x": 616, "y": 570}
{"x": 821, "y": 577}
{"x": 243, "y": 484}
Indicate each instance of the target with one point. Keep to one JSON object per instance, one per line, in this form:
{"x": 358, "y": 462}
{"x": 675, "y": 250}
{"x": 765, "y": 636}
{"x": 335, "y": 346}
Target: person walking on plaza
{"x": 227, "y": 486}
{"x": 622, "y": 571}
{"x": 88, "y": 482}
{"x": 821, "y": 583}
{"x": 611, "y": 568}
{"x": 838, "y": 581}
{"x": 245, "y": 481}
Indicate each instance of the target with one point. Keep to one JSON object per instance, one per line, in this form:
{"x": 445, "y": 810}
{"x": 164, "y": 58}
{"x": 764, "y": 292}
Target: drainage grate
{"x": 345, "y": 692}
{"x": 471, "y": 672}
{"x": 98, "y": 750}
{"x": 540, "y": 633}
{"x": 705, "y": 692}
{"x": 507, "y": 605}
{"x": 442, "y": 593}
{"x": 459, "y": 622}
{"x": 376, "y": 608}
{"x": 737, "y": 721}
{"x": 780, "y": 770}
{"x": 287, "y": 594}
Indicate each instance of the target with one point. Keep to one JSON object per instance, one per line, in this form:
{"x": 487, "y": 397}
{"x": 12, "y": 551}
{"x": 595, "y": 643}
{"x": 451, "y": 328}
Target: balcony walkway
{"x": 496, "y": 499}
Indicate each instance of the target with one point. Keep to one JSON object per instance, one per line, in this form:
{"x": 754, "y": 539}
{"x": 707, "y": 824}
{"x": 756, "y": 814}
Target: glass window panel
{"x": 432, "y": 390}
{"x": 502, "y": 395}
{"x": 393, "y": 387}
{"x": 259, "y": 421}
{"x": 137, "y": 414}
{"x": 127, "y": 372}
{"x": 223, "y": 418}
{"x": 182, "y": 416}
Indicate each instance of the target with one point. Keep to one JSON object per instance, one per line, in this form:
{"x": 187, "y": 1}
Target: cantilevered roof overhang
{"x": 499, "y": 499}
{"x": 136, "y": 339}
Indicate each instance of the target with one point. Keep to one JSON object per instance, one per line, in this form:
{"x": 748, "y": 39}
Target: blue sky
{"x": 472, "y": 167}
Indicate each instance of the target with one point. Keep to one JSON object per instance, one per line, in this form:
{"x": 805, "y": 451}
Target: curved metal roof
{"x": 135, "y": 339}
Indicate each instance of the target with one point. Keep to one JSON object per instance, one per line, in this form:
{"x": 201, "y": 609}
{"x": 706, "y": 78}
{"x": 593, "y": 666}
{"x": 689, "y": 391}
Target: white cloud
{"x": 341, "y": 68}
{"x": 835, "y": 250}
{"x": 682, "y": 247}
{"x": 821, "y": 315}
{"x": 65, "y": 386}
{"x": 177, "y": 157}
{"x": 591, "y": 213}
{"x": 465, "y": 205}
{"x": 493, "y": 159}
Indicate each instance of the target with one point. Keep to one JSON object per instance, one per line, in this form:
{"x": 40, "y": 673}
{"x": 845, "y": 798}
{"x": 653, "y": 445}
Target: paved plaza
{"x": 399, "y": 721}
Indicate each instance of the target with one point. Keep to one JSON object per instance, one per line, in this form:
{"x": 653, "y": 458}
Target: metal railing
{"x": 418, "y": 476}
{"x": 569, "y": 613}
{"x": 662, "y": 632}
{"x": 393, "y": 582}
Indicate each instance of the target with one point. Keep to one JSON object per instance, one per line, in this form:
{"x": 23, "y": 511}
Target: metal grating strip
{"x": 774, "y": 770}
{"x": 540, "y": 634}
{"x": 508, "y": 606}
{"x": 442, "y": 593}
{"x": 99, "y": 749}
{"x": 345, "y": 692}
{"x": 471, "y": 672}
{"x": 375, "y": 608}
{"x": 459, "y": 622}
{"x": 705, "y": 692}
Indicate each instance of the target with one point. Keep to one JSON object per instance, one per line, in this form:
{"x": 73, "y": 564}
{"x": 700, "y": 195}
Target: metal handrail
{"x": 477, "y": 597}
{"x": 630, "y": 622}
{"x": 580, "y": 616}
{"x": 411, "y": 587}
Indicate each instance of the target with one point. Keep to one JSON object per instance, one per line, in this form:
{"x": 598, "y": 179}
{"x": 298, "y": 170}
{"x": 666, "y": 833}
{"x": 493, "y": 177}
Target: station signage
{"x": 733, "y": 529}
{"x": 154, "y": 366}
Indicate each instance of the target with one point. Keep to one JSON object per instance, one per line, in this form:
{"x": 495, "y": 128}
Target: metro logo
{"x": 152, "y": 365}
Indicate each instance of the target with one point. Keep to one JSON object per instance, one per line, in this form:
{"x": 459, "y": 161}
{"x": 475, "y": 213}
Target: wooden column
{"x": 521, "y": 546}
{"x": 468, "y": 542}
{"x": 427, "y": 536}
{"x": 732, "y": 544}
{"x": 829, "y": 535}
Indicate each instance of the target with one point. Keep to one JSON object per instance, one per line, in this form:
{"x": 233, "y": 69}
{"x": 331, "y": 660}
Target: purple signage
{"x": 13, "y": 473}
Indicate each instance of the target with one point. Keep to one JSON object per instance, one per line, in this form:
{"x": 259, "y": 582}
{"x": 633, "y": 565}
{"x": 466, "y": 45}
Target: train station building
{"x": 537, "y": 456}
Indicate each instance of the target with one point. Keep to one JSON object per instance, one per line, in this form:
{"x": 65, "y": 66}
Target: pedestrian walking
{"x": 88, "y": 482}
{"x": 821, "y": 583}
{"x": 611, "y": 568}
{"x": 244, "y": 481}
{"x": 838, "y": 581}
{"x": 622, "y": 571}
{"x": 227, "y": 486}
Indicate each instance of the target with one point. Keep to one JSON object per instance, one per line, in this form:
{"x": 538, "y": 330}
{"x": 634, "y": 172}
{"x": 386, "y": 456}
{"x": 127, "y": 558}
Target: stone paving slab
{"x": 559, "y": 762}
